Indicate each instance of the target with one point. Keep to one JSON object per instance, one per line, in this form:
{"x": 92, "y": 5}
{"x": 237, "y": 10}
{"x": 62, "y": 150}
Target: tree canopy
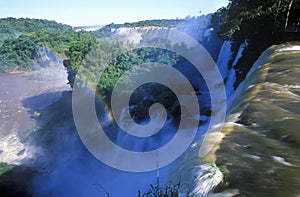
{"x": 22, "y": 40}
{"x": 249, "y": 19}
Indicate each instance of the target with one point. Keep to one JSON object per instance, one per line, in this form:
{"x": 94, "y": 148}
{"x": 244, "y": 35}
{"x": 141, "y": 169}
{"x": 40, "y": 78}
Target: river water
{"x": 20, "y": 96}
{"x": 259, "y": 143}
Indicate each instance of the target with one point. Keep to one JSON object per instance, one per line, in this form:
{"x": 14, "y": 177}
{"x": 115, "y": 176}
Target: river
{"x": 20, "y": 96}
{"x": 258, "y": 147}
{"x": 256, "y": 155}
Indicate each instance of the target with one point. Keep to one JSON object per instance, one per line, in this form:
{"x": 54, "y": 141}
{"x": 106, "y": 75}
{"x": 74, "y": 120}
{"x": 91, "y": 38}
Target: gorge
{"x": 254, "y": 152}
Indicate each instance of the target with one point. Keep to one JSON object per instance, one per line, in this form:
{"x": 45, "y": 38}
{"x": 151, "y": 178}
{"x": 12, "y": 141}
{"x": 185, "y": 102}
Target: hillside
{"x": 26, "y": 43}
{"x": 258, "y": 142}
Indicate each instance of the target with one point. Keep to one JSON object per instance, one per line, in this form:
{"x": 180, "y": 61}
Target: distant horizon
{"x": 102, "y": 12}
{"x": 98, "y": 24}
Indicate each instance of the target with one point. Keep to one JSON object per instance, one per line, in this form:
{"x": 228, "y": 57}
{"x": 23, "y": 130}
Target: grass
{"x": 170, "y": 190}
{"x": 4, "y": 167}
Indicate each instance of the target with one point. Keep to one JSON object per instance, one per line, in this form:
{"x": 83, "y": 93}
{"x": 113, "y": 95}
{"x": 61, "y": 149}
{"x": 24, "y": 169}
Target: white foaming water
{"x": 134, "y": 35}
{"x": 68, "y": 169}
{"x": 207, "y": 178}
{"x": 14, "y": 151}
{"x": 198, "y": 28}
{"x": 224, "y": 57}
{"x": 291, "y": 48}
{"x": 229, "y": 86}
{"x": 73, "y": 171}
{"x": 21, "y": 95}
{"x": 239, "y": 53}
{"x": 231, "y": 78}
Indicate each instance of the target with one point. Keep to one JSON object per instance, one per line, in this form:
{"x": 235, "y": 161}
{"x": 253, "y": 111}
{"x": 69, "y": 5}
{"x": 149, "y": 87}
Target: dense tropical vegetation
{"x": 259, "y": 24}
{"x": 30, "y": 42}
{"x": 26, "y": 42}
{"x": 253, "y": 19}
{"x": 23, "y": 40}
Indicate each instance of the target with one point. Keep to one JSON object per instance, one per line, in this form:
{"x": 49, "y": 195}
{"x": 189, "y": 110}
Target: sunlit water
{"x": 259, "y": 142}
{"x": 62, "y": 165}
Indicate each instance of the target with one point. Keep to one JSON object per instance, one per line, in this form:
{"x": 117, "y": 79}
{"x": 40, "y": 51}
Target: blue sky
{"x": 93, "y": 12}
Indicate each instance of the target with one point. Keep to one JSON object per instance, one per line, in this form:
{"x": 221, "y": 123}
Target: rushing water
{"x": 20, "y": 96}
{"x": 65, "y": 167}
{"x": 259, "y": 142}
{"x": 258, "y": 145}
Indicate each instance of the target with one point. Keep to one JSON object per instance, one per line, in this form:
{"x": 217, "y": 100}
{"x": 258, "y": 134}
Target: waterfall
{"x": 258, "y": 145}
{"x": 259, "y": 139}
{"x": 198, "y": 28}
{"x": 224, "y": 57}
{"x": 239, "y": 53}
{"x": 229, "y": 85}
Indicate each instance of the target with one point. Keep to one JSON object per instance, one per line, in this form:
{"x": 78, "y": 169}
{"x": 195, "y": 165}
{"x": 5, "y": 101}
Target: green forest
{"x": 22, "y": 40}
{"x": 252, "y": 20}
{"x": 25, "y": 45}
{"x": 260, "y": 23}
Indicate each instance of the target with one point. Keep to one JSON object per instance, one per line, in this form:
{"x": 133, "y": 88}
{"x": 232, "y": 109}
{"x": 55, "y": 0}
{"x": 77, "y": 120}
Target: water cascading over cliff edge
{"x": 258, "y": 147}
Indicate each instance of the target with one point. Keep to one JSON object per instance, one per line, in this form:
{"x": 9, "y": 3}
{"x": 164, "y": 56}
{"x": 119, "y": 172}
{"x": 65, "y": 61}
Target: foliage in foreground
{"x": 5, "y": 168}
{"x": 170, "y": 190}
